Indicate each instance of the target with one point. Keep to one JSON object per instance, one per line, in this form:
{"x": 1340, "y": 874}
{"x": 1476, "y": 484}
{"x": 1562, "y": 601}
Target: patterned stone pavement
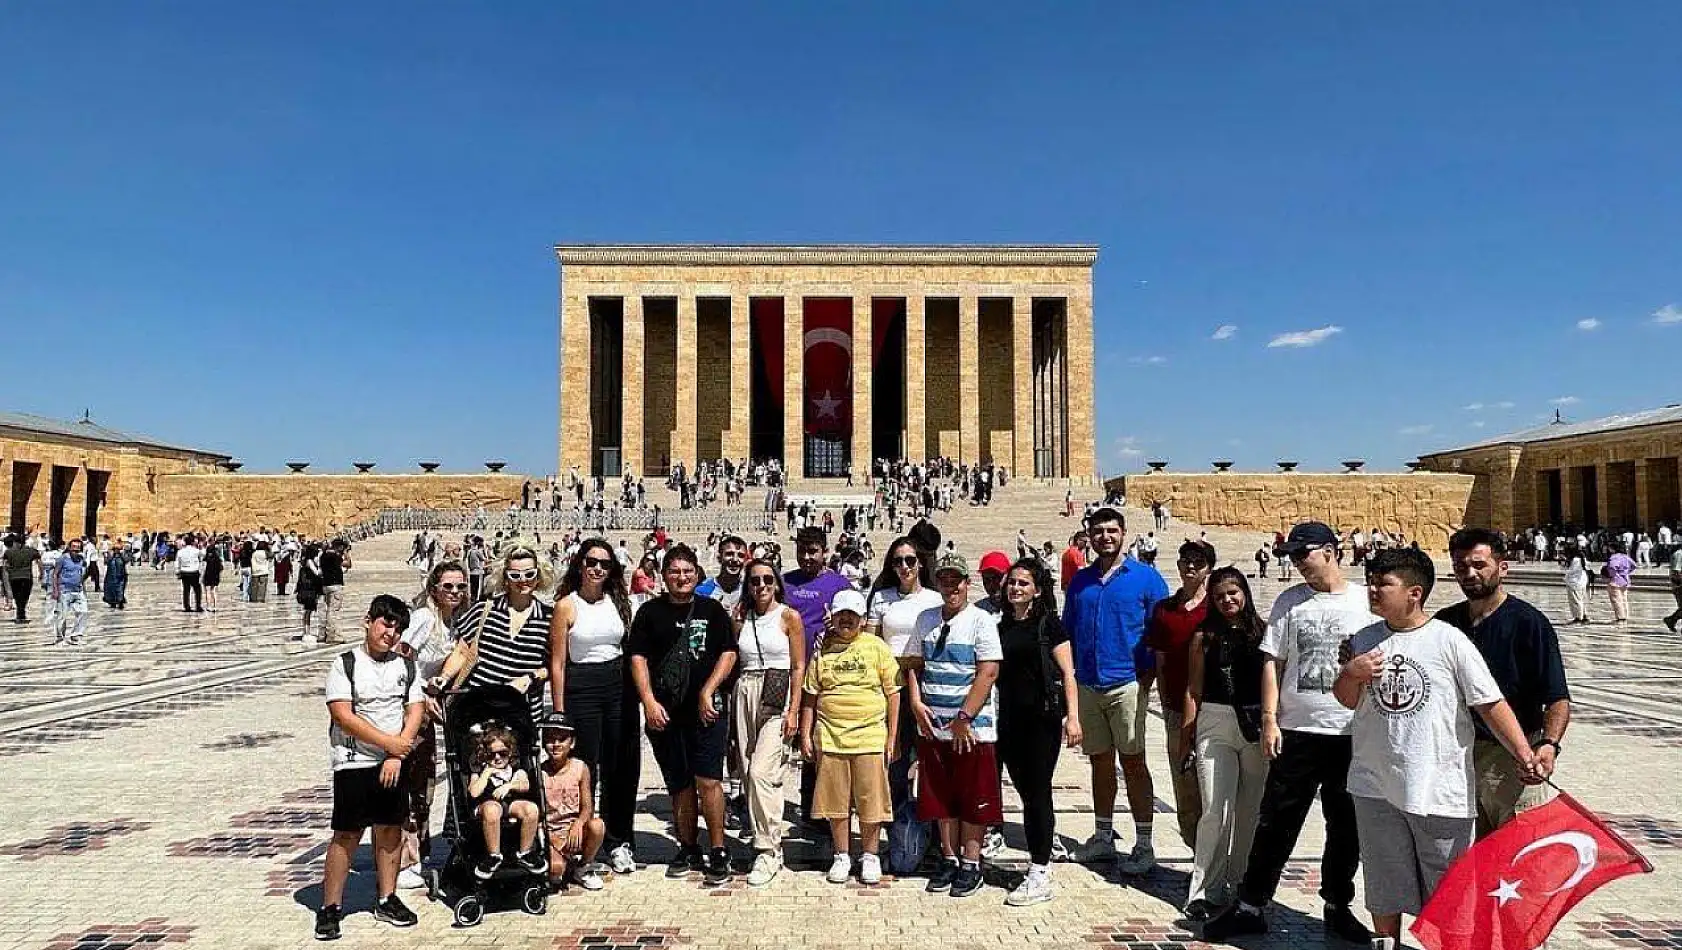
{"x": 167, "y": 784}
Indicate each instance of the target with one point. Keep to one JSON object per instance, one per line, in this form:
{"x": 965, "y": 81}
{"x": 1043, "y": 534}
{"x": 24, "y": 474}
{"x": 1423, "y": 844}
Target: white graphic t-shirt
{"x": 896, "y": 615}
{"x": 1304, "y": 631}
{"x": 1412, "y": 729}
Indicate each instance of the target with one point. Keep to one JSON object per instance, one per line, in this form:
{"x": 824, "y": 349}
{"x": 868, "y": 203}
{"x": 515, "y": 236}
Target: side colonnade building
{"x": 827, "y": 357}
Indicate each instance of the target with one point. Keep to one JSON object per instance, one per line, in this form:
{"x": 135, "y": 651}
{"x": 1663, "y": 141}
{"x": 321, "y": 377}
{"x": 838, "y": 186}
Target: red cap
{"x": 995, "y": 561}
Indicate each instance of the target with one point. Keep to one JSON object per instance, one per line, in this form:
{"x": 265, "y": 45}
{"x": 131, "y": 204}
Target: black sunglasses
{"x": 599, "y": 562}
{"x": 907, "y": 561}
{"x": 940, "y": 641}
{"x": 762, "y": 580}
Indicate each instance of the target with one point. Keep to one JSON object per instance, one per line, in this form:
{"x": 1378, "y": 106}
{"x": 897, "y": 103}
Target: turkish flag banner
{"x": 1510, "y": 889}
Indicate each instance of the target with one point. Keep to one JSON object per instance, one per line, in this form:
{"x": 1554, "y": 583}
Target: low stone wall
{"x": 1426, "y": 506}
{"x": 316, "y": 504}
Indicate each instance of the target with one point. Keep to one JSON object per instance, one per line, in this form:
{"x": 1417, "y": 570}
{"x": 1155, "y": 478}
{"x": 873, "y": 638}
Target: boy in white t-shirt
{"x": 376, "y": 707}
{"x": 1411, "y": 681}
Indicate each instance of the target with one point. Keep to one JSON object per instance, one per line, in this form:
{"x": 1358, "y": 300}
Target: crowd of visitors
{"x": 897, "y": 699}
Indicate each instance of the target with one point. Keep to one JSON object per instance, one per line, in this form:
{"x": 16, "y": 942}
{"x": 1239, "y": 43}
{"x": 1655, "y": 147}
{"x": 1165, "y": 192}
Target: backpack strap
{"x": 347, "y": 659}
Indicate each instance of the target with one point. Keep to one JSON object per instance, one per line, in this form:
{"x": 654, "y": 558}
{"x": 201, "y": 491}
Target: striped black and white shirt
{"x": 501, "y": 657}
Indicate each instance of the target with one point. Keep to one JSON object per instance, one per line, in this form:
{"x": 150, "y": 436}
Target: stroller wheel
{"x": 535, "y": 900}
{"x": 469, "y": 911}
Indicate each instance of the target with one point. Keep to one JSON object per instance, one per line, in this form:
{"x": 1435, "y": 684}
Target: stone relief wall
{"x": 315, "y": 504}
{"x": 1427, "y": 507}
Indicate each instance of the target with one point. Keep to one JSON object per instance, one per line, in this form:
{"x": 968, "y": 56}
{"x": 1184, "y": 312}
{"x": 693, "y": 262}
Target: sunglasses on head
{"x": 601, "y": 563}
{"x": 529, "y": 574}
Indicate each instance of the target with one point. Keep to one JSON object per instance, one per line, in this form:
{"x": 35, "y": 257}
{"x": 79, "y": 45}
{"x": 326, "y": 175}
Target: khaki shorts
{"x": 846, "y": 782}
{"x": 1113, "y": 719}
{"x": 1502, "y": 794}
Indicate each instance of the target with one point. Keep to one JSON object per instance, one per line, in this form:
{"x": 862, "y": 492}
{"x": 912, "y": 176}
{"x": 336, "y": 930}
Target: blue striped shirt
{"x": 971, "y": 638}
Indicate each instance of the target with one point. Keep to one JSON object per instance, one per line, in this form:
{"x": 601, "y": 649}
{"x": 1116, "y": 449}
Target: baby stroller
{"x": 455, "y": 883}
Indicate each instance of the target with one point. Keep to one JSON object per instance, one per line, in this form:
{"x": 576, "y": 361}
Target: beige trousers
{"x": 1231, "y": 773}
{"x": 1188, "y": 798}
{"x": 762, "y": 759}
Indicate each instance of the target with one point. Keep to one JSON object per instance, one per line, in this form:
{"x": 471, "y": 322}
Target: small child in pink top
{"x": 575, "y": 833}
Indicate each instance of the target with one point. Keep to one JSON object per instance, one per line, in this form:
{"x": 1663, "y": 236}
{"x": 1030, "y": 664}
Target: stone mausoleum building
{"x": 826, "y": 357}
{"x": 1616, "y": 472}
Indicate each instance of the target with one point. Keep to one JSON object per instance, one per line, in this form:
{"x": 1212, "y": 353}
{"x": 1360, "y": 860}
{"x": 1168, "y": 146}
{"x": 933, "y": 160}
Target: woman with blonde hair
{"x": 504, "y": 639}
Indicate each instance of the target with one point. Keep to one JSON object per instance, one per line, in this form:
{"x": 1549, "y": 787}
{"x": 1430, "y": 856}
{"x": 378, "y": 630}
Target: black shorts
{"x": 687, "y": 750}
{"x": 360, "y": 801}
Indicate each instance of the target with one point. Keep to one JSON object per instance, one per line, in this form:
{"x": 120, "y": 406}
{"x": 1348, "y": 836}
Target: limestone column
{"x": 6, "y": 495}
{"x": 741, "y": 380}
{"x": 75, "y": 502}
{"x": 916, "y": 403}
{"x": 794, "y": 386}
{"x": 1077, "y": 352}
{"x": 863, "y": 376}
{"x": 969, "y": 378}
{"x": 1643, "y": 500}
{"x": 1022, "y": 384}
{"x": 685, "y": 437}
{"x": 575, "y": 434}
{"x": 1603, "y": 494}
{"x": 1568, "y": 496}
{"x": 632, "y": 377}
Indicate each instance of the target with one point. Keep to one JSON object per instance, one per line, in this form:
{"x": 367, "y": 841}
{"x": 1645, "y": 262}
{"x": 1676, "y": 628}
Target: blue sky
{"x": 324, "y": 230}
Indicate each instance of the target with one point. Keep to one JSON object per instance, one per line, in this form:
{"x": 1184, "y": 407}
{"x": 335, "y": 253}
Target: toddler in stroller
{"x": 497, "y": 783}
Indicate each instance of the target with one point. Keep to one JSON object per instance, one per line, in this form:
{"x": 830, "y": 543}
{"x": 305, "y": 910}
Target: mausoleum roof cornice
{"x": 995, "y": 255}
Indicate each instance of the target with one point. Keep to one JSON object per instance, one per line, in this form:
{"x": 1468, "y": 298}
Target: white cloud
{"x": 1565, "y": 401}
{"x": 1503, "y": 405}
{"x": 1415, "y": 430}
{"x": 1128, "y": 447}
{"x": 1147, "y": 360}
{"x": 1225, "y": 331}
{"x": 1477, "y": 424}
{"x": 1473, "y": 407}
{"x": 1668, "y": 315}
{"x": 1304, "y": 338}
{"x": 1479, "y": 407}
{"x": 1588, "y": 324}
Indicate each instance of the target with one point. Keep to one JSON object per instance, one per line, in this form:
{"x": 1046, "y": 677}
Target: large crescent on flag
{"x": 1588, "y": 854}
{"x": 829, "y": 335}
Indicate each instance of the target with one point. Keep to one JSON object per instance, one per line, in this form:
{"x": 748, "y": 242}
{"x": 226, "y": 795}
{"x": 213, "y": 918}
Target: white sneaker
{"x": 840, "y": 869}
{"x": 870, "y": 869}
{"x": 765, "y": 868}
{"x": 1099, "y": 847}
{"x": 587, "y": 878}
{"x": 621, "y": 860}
{"x": 1034, "y": 889}
{"x": 992, "y": 844}
{"x": 410, "y": 878}
{"x": 309, "y": 640}
{"x": 1140, "y": 860}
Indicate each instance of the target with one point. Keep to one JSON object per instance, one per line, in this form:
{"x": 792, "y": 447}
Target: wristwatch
{"x": 1546, "y": 741}
{"x": 964, "y": 717}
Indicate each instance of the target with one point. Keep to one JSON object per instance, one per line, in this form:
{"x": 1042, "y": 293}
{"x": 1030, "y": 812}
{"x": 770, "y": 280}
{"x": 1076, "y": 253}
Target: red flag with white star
{"x": 1509, "y": 890}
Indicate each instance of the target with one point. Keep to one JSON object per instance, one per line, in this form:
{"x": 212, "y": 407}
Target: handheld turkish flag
{"x": 1511, "y": 888}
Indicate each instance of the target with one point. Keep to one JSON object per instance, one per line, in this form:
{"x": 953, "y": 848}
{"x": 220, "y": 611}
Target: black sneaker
{"x": 718, "y": 866}
{"x": 394, "y": 912}
{"x": 1235, "y": 921}
{"x": 966, "y": 882}
{"x": 535, "y": 861}
{"x": 941, "y": 880}
{"x": 1341, "y": 920}
{"x": 1199, "y": 911}
{"x": 688, "y": 858}
{"x": 327, "y": 922}
{"x": 487, "y": 866}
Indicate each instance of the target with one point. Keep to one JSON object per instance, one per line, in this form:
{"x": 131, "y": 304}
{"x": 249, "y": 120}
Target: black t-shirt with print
{"x": 660, "y": 625}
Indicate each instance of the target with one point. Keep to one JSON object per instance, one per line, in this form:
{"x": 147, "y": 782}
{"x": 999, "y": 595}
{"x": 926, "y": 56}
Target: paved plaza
{"x": 168, "y": 783}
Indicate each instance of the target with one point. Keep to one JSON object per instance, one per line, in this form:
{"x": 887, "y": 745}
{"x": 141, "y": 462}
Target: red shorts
{"x": 958, "y": 786}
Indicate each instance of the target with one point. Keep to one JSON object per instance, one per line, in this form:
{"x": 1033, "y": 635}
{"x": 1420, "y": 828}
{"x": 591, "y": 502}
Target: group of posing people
{"x": 905, "y": 705}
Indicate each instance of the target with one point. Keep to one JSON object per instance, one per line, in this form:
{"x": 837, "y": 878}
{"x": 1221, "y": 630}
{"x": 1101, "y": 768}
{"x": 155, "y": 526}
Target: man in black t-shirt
{"x": 1522, "y": 650}
{"x": 334, "y": 561}
{"x": 682, "y": 650}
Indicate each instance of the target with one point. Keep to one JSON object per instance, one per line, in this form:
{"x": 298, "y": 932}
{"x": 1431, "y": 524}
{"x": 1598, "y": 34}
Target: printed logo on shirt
{"x": 1401, "y": 688}
{"x": 1317, "y": 643}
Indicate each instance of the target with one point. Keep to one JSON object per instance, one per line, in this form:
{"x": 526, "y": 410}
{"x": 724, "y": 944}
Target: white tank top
{"x": 763, "y": 645}
{"x": 597, "y": 635}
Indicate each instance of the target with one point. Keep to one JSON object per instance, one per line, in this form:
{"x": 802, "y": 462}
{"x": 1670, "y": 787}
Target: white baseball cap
{"x": 848, "y": 600}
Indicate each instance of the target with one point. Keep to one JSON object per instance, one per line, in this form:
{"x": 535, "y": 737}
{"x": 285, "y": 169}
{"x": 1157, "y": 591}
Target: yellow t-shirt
{"x": 852, "y": 682}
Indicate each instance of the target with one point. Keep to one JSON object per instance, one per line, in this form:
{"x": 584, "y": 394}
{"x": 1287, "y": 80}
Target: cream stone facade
{"x": 1616, "y": 472}
{"x": 694, "y": 352}
{"x": 318, "y": 505}
{"x": 1424, "y": 506}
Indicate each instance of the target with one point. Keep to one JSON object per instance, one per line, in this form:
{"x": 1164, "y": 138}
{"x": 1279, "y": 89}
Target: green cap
{"x": 952, "y": 562}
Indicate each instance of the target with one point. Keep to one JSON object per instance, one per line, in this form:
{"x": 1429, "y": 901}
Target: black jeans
{"x": 190, "y": 585}
{"x": 1307, "y": 762}
{"x": 21, "y": 586}
{"x": 1028, "y": 746}
{"x": 604, "y": 709}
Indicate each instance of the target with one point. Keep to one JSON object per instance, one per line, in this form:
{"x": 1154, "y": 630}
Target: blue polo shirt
{"x": 1106, "y": 622}
{"x": 70, "y": 574}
